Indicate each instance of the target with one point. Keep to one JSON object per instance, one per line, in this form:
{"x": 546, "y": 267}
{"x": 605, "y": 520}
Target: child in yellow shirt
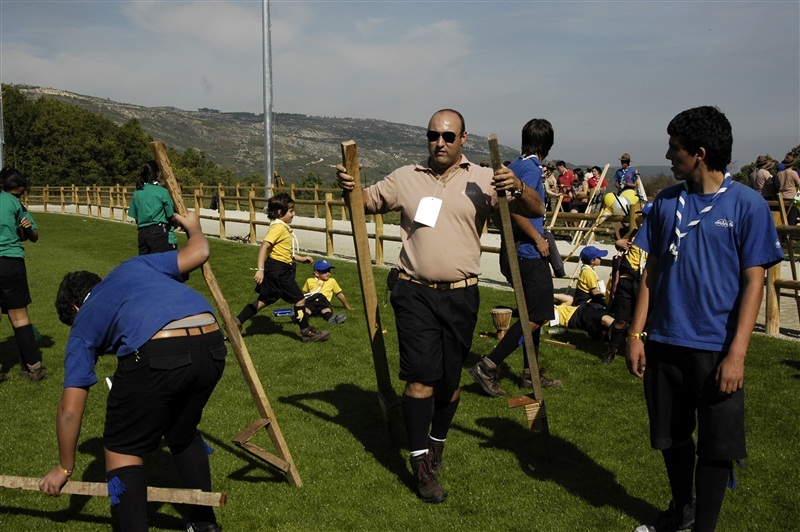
{"x": 275, "y": 274}
{"x": 319, "y": 291}
{"x": 588, "y": 286}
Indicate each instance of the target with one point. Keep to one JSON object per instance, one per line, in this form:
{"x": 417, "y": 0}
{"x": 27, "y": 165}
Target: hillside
{"x": 302, "y": 144}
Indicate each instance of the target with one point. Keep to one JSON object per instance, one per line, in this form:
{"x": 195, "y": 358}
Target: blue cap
{"x": 322, "y": 265}
{"x": 589, "y": 253}
{"x": 646, "y": 208}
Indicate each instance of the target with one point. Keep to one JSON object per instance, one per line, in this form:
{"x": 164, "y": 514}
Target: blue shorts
{"x": 681, "y": 392}
{"x": 434, "y": 329}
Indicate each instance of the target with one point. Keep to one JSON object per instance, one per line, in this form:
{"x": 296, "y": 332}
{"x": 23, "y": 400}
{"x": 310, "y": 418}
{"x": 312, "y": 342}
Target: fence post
{"x": 316, "y": 199}
{"x": 328, "y": 225}
{"x": 292, "y": 192}
{"x": 63, "y": 205}
{"x": 111, "y": 197}
{"x": 46, "y": 196}
{"x": 251, "y": 208}
{"x": 772, "y": 310}
{"x": 75, "y": 198}
{"x": 221, "y": 214}
{"x": 238, "y": 193}
{"x": 379, "y": 239}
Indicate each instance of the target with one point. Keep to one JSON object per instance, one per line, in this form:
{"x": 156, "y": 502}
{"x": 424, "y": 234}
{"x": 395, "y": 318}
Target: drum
{"x": 501, "y": 317}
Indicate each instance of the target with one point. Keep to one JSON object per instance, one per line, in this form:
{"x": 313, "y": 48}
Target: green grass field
{"x": 595, "y": 471}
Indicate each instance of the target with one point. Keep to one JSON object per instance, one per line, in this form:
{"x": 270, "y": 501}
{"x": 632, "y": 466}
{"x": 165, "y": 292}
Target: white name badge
{"x": 555, "y": 319}
{"x": 428, "y": 211}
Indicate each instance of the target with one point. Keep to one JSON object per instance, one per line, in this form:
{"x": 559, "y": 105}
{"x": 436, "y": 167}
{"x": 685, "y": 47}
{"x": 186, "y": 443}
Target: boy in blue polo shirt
{"x": 709, "y": 241}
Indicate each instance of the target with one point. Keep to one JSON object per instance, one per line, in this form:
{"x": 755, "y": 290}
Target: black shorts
{"x": 624, "y": 299}
{"x": 537, "y": 284}
{"x": 160, "y": 391}
{"x": 681, "y": 392}
{"x": 154, "y": 239}
{"x": 589, "y": 318}
{"x": 434, "y": 329}
{"x": 14, "y": 291}
{"x": 316, "y": 303}
{"x": 279, "y": 283}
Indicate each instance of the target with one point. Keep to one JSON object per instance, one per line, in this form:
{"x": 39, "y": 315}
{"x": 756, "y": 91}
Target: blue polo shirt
{"x": 626, "y": 177}
{"x": 695, "y": 301}
{"x": 529, "y": 170}
{"x": 125, "y": 310}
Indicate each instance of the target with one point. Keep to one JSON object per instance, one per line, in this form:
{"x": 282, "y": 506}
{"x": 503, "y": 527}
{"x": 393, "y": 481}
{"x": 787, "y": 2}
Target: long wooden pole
{"x": 100, "y": 489}
{"x": 390, "y": 402}
{"x": 539, "y": 419}
{"x": 284, "y": 460}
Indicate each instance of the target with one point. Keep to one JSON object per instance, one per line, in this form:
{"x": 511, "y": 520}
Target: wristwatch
{"x": 518, "y": 192}
{"x": 638, "y": 336}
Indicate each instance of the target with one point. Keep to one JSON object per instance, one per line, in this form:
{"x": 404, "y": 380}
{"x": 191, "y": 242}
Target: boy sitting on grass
{"x": 588, "y": 286}
{"x": 319, "y": 291}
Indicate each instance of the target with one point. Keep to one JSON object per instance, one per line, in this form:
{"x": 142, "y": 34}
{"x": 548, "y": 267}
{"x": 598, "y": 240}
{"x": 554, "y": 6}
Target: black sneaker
{"x": 673, "y": 519}
{"x": 312, "y": 334}
{"x": 200, "y": 526}
{"x": 609, "y": 356}
{"x": 428, "y": 486}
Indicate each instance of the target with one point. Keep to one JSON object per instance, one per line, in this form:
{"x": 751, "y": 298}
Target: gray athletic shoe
{"x": 339, "y": 318}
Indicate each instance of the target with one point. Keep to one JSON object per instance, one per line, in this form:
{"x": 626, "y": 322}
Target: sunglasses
{"x": 448, "y": 136}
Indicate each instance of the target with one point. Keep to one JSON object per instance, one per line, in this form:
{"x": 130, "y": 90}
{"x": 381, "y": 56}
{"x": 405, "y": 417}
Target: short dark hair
{"x": 72, "y": 292}
{"x": 460, "y": 117}
{"x": 561, "y": 163}
{"x": 704, "y": 127}
{"x": 599, "y": 170}
{"x": 12, "y": 179}
{"x": 278, "y": 205}
{"x": 537, "y": 137}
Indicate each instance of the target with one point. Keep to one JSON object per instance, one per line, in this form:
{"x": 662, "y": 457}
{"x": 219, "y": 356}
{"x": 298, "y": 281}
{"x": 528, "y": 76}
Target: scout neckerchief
{"x": 676, "y": 243}
{"x": 295, "y": 245}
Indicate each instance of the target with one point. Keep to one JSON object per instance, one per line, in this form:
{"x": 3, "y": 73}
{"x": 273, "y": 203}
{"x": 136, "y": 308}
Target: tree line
{"x": 58, "y": 144}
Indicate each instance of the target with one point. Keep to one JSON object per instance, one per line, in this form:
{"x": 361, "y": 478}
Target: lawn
{"x": 595, "y": 471}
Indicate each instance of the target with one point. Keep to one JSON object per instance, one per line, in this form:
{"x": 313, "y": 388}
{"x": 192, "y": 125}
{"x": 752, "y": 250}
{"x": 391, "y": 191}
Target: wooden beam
{"x": 100, "y": 489}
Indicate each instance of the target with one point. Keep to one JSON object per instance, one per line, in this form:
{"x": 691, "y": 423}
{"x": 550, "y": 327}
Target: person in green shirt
{"x": 152, "y": 208}
{"x": 17, "y": 224}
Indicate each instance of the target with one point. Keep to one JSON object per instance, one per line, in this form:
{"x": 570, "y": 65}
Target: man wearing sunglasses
{"x": 444, "y": 203}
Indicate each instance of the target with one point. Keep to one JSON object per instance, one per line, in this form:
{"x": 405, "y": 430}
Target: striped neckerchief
{"x": 676, "y": 242}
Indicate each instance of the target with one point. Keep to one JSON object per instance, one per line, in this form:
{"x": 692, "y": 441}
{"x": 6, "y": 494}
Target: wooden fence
{"x": 319, "y": 202}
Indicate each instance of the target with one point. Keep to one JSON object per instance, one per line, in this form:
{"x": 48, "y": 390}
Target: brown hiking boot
{"x": 435, "y": 451}
{"x": 36, "y": 372}
{"x": 428, "y": 486}
{"x": 525, "y": 381}
{"x": 312, "y": 334}
{"x": 487, "y": 374}
{"x": 549, "y": 383}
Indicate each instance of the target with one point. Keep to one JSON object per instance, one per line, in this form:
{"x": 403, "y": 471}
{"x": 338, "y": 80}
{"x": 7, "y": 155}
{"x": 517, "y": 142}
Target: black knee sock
{"x": 536, "y": 334}
{"x": 507, "y": 345}
{"x": 617, "y": 335}
{"x": 711, "y": 480}
{"x": 28, "y": 348}
{"x": 443, "y": 414}
{"x": 191, "y": 462}
{"x": 679, "y": 461}
{"x": 301, "y": 316}
{"x": 250, "y": 310}
{"x": 418, "y": 414}
{"x": 127, "y": 488}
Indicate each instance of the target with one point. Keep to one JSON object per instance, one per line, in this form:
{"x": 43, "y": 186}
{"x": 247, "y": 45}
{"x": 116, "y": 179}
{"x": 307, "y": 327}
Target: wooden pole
{"x": 283, "y": 461}
{"x": 390, "y": 402}
{"x": 537, "y": 416}
{"x": 100, "y": 489}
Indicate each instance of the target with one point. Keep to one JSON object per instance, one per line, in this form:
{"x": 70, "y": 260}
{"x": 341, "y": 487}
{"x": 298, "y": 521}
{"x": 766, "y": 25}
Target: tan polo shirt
{"x": 451, "y": 250}
{"x": 788, "y": 181}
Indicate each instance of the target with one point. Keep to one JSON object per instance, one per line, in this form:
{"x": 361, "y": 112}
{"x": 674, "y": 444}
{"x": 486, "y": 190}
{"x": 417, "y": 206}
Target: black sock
{"x": 711, "y": 481}
{"x": 301, "y": 316}
{"x": 28, "y": 348}
{"x": 418, "y": 414}
{"x": 617, "y": 335}
{"x": 250, "y": 310}
{"x": 679, "y": 461}
{"x": 191, "y": 462}
{"x": 127, "y": 487}
{"x": 443, "y": 414}
{"x": 507, "y": 345}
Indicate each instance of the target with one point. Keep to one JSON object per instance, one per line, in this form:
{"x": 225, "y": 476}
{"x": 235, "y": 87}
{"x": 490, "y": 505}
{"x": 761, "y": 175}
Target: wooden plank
{"x": 390, "y": 402}
{"x": 228, "y": 320}
{"x": 516, "y": 278}
{"x": 100, "y": 489}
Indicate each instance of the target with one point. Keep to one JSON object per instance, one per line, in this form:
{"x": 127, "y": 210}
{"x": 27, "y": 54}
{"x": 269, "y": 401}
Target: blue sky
{"x": 608, "y": 75}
